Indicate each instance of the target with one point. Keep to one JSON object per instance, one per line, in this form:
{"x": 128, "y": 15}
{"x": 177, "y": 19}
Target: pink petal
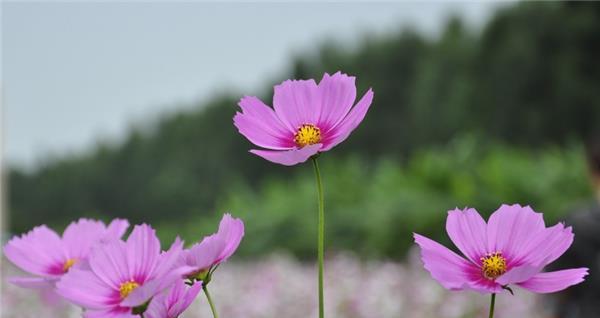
{"x": 338, "y": 93}
{"x": 109, "y": 263}
{"x": 545, "y": 246}
{"x": 168, "y": 259}
{"x": 143, "y": 250}
{"x": 551, "y": 282}
{"x": 519, "y": 274}
{"x": 153, "y": 287}
{"x": 80, "y": 236}
{"x": 203, "y": 255}
{"x": 339, "y": 133}
{"x": 85, "y": 289}
{"x": 231, "y": 230}
{"x": 511, "y": 227}
{"x": 297, "y": 102}
{"x": 110, "y": 313}
{"x": 184, "y": 300}
{"x": 467, "y": 230}
{"x": 288, "y": 157}
{"x": 32, "y": 282}
{"x": 39, "y": 252}
{"x": 116, "y": 229}
{"x": 449, "y": 269}
{"x": 259, "y": 124}
{"x": 173, "y": 302}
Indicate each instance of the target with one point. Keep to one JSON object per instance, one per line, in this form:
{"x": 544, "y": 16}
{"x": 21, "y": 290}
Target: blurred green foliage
{"x": 529, "y": 80}
{"x": 373, "y": 206}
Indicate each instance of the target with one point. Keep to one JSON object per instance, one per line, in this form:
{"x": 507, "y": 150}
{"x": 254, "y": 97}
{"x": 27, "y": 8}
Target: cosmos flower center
{"x": 307, "y": 134}
{"x": 493, "y": 265}
{"x": 68, "y": 264}
{"x": 127, "y": 287}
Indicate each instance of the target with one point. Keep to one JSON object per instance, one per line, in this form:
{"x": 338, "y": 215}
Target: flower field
{"x": 279, "y": 286}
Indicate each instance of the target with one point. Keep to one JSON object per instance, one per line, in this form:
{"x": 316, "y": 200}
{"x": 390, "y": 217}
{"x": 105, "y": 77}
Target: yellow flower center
{"x": 307, "y": 134}
{"x": 68, "y": 264}
{"x": 127, "y": 287}
{"x": 493, "y": 265}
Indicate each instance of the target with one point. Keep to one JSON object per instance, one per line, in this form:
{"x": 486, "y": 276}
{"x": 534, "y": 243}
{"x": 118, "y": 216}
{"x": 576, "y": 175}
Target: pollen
{"x": 493, "y": 265}
{"x": 307, "y": 134}
{"x": 68, "y": 264}
{"x": 127, "y": 287}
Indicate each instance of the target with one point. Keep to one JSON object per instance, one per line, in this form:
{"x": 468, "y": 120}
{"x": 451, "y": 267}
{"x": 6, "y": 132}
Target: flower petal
{"x": 109, "y": 313}
{"x": 546, "y": 246}
{"x": 143, "y": 250}
{"x": 445, "y": 266}
{"x": 510, "y": 228}
{"x": 341, "y": 131}
{"x": 109, "y": 263}
{"x": 467, "y": 230}
{"x": 519, "y": 274}
{"x": 39, "y": 252}
{"x": 116, "y": 229}
{"x": 231, "y": 230}
{"x": 80, "y": 236}
{"x": 184, "y": 299}
{"x": 297, "y": 102}
{"x": 551, "y": 282}
{"x": 261, "y": 126}
{"x": 338, "y": 92}
{"x": 288, "y": 157}
{"x": 168, "y": 259}
{"x": 173, "y": 302}
{"x": 153, "y": 287}
{"x": 203, "y": 255}
{"x": 85, "y": 289}
{"x": 32, "y": 282}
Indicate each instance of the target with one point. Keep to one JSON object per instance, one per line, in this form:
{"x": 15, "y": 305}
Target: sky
{"x": 76, "y": 73}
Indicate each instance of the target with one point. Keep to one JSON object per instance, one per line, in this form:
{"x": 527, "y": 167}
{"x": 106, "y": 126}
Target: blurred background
{"x": 125, "y": 110}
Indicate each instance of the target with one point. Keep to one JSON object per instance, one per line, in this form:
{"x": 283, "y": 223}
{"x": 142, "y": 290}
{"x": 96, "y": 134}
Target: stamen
{"x": 127, "y": 287}
{"x": 307, "y": 134}
{"x": 68, "y": 264}
{"x": 493, "y": 265}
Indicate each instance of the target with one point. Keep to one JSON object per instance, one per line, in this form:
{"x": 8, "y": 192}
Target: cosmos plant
{"x": 92, "y": 267}
{"x": 511, "y": 249}
{"x": 306, "y": 120}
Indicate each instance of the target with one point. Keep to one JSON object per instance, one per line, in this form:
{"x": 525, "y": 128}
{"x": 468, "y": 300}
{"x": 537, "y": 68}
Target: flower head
{"x": 47, "y": 256}
{"x": 307, "y": 118}
{"x": 173, "y": 302}
{"x": 213, "y": 250}
{"x": 511, "y": 249}
{"x": 123, "y": 276}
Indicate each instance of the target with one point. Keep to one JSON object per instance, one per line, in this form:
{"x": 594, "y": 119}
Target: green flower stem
{"x": 321, "y": 240}
{"x": 492, "y": 303}
{"x": 210, "y": 302}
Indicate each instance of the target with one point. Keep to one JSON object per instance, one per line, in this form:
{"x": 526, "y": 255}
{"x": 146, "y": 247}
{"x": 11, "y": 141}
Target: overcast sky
{"x": 76, "y": 73}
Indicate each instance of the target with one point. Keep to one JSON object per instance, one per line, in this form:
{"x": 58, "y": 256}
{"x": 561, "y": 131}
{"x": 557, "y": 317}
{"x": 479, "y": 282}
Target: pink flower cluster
{"x": 92, "y": 267}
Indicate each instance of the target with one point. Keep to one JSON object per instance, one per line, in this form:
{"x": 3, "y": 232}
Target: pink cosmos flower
{"x": 173, "y": 302}
{"x": 307, "y": 118}
{"x": 204, "y": 257}
{"x": 123, "y": 276}
{"x": 47, "y": 256}
{"x": 511, "y": 249}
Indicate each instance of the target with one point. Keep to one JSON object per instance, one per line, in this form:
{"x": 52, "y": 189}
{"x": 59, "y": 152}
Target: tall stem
{"x": 321, "y": 239}
{"x": 210, "y": 302}
{"x": 492, "y": 303}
